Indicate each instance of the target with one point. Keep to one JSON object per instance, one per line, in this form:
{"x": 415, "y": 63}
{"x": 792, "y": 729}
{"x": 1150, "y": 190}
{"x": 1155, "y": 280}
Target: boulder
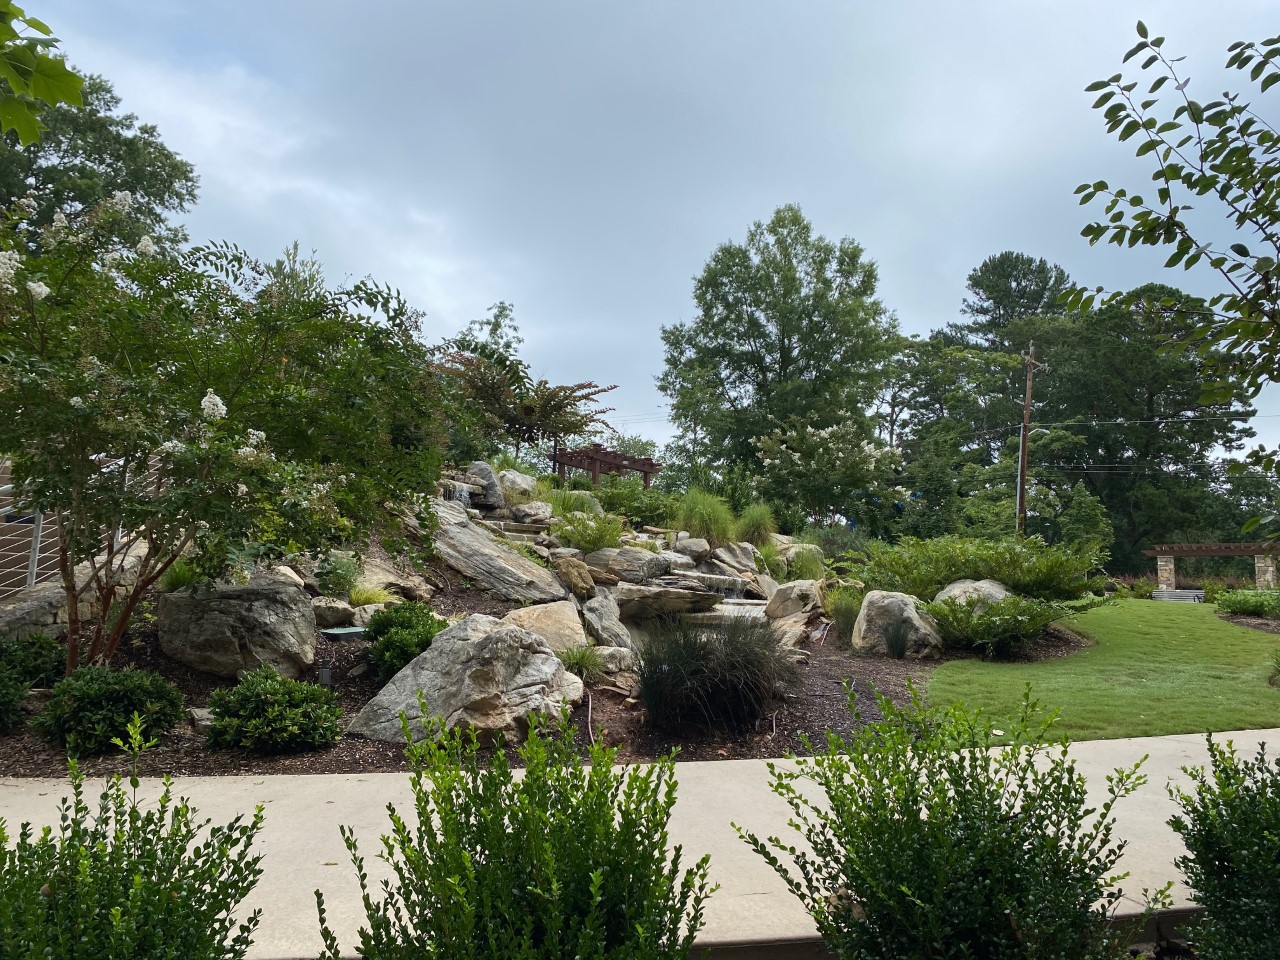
{"x": 600, "y": 614}
{"x": 884, "y": 612}
{"x": 798, "y": 596}
{"x": 516, "y": 485}
{"x": 385, "y": 575}
{"x": 738, "y": 556}
{"x": 288, "y": 573}
{"x": 616, "y": 660}
{"x": 789, "y": 551}
{"x": 980, "y": 592}
{"x": 576, "y": 575}
{"x": 695, "y": 548}
{"x": 557, "y": 623}
{"x": 636, "y": 565}
{"x": 478, "y": 673}
{"x": 603, "y": 578}
{"x": 677, "y": 561}
{"x": 767, "y": 585}
{"x": 792, "y": 630}
{"x": 637, "y": 602}
{"x": 476, "y": 553}
{"x": 483, "y": 476}
{"x": 226, "y": 628}
{"x": 535, "y": 511}
{"x": 560, "y": 552}
{"x": 363, "y": 614}
{"x": 332, "y": 612}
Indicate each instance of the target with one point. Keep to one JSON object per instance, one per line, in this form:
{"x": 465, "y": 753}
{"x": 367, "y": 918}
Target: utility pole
{"x": 1032, "y": 367}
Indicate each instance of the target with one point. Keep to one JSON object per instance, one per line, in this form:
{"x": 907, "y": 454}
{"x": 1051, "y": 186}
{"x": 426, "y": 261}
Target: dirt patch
{"x": 1253, "y": 623}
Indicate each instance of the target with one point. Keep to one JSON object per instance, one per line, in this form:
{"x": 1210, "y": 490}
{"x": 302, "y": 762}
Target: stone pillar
{"x": 1264, "y": 571}
{"x": 1166, "y": 579}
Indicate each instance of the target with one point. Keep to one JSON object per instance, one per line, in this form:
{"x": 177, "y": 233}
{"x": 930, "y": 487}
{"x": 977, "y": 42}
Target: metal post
{"x": 33, "y": 560}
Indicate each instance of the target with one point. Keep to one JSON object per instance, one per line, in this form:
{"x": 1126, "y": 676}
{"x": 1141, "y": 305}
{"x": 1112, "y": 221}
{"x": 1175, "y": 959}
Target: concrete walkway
{"x": 751, "y": 916}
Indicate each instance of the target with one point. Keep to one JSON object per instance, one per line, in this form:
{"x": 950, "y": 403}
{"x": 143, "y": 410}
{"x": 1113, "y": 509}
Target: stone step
{"x": 509, "y": 527}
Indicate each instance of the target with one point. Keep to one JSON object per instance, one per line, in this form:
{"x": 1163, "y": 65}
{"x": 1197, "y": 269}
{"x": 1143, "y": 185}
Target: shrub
{"x": 564, "y": 503}
{"x": 806, "y": 565}
{"x": 399, "y": 635}
{"x": 834, "y": 541}
{"x": 1027, "y": 566}
{"x": 119, "y": 879}
{"x": 36, "y": 660}
{"x": 628, "y": 498}
{"x": 268, "y": 713}
{"x": 580, "y": 482}
{"x": 1251, "y": 603}
{"x": 947, "y": 846}
{"x": 994, "y": 628}
{"x": 337, "y": 573}
{"x": 1143, "y": 588}
{"x": 583, "y": 662}
{"x": 704, "y": 515}
{"x": 362, "y": 596}
{"x": 843, "y": 603}
{"x": 1213, "y": 589}
{"x": 12, "y": 694}
{"x": 723, "y": 675}
{"x": 92, "y": 707}
{"x": 1231, "y": 828}
{"x": 565, "y": 861}
{"x": 756, "y": 525}
{"x": 181, "y": 573}
{"x": 412, "y": 616}
{"x": 588, "y": 532}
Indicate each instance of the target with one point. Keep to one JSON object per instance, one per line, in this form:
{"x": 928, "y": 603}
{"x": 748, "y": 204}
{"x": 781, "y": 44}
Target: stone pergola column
{"x": 1166, "y": 578}
{"x": 1264, "y": 571}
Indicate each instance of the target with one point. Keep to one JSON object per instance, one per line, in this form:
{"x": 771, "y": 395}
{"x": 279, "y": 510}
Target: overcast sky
{"x": 583, "y": 159}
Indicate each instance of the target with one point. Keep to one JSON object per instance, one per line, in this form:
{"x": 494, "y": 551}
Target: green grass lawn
{"x": 1155, "y": 668}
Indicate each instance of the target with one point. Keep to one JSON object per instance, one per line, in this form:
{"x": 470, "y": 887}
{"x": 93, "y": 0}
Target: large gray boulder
{"x": 798, "y": 596}
{"x": 695, "y": 548}
{"x": 885, "y": 613}
{"x": 557, "y": 623}
{"x": 397, "y": 580}
{"x": 741, "y": 557}
{"x": 600, "y": 614}
{"x": 485, "y": 478}
{"x": 478, "y": 673}
{"x": 630, "y": 564}
{"x": 981, "y": 593}
{"x": 516, "y": 485}
{"x": 332, "y": 612}
{"x": 789, "y": 551}
{"x": 476, "y": 553}
{"x": 575, "y": 575}
{"x": 226, "y": 628}
{"x": 638, "y": 602}
{"x": 535, "y": 511}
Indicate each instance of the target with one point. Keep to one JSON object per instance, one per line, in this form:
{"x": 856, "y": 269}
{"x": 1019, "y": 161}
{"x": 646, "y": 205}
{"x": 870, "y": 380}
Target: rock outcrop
{"x": 890, "y": 618}
{"x": 557, "y": 623}
{"x": 478, "y": 673}
{"x": 600, "y": 614}
{"x": 476, "y": 553}
{"x": 641, "y": 602}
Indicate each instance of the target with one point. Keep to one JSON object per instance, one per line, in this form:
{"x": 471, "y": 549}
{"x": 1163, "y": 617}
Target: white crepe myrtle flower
{"x": 110, "y": 258}
{"x": 241, "y": 490}
{"x": 27, "y": 206}
{"x": 146, "y": 246}
{"x": 212, "y": 407}
{"x": 76, "y": 403}
{"x": 121, "y": 200}
{"x": 10, "y": 260}
{"x": 171, "y": 447}
{"x": 255, "y": 438}
{"x": 37, "y": 290}
{"x": 60, "y": 222}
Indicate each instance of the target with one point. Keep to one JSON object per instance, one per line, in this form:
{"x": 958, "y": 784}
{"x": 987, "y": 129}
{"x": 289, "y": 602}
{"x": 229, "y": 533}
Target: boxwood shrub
{"x": 93, "y": 707}
{"x": 268, "y": 713}
{"x": 399, "y": 635}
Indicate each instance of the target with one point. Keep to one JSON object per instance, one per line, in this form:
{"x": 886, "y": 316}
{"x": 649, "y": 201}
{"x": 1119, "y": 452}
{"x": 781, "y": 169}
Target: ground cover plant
{"x": 91, "y": 709}
{"x": 1231, "y": 827}
{"x": 589, "y": 532}
{"x": 126, "y": 880}
{"x": 36, "y": 660}
{"x": 932, "y": 843}
{"x": 1027, "y": 566}
{"x": 995, "y": 629}
{"x": 565, "y": 861}
{"x": 724, "y": 675}
{"x": 1153, "y": 669}
{"x": 268, "y": 713}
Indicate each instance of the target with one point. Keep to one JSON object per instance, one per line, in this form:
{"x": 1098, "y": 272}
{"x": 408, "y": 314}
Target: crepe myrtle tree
{"x": 1216, "y": 158}
{"x": 160, "y": 404}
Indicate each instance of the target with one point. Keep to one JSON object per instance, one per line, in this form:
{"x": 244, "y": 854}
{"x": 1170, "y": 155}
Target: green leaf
{"x": 20, "y": 117}
{"x": 1142, "y": 30}
{"x": 1239, "y": 249}
{"x": 1096, "y": 86}
{"x": 1270, "y": 81}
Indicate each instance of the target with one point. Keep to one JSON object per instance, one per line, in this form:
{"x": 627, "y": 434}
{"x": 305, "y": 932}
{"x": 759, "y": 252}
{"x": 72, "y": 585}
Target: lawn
{"x": 1155, "y": 668}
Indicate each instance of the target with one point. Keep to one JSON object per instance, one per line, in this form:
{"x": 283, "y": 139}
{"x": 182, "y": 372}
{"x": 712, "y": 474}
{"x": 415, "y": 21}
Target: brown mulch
{"x": 1253, "y": 623}
{"x": 818, "y": 703}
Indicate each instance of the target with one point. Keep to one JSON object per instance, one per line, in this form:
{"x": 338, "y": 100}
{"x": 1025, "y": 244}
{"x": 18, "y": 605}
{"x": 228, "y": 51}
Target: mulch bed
{"x": 1253, "y": 623}
{"x": 818, "y": 703}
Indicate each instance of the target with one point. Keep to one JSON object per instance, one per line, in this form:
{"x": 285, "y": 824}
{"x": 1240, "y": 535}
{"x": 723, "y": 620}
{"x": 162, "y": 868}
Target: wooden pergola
{"x": 597, "y": 459}
{"x": 1264, "y": 561}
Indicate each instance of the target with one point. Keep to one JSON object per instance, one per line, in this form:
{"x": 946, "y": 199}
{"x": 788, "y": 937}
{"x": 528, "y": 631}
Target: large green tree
{"x": 789, "y": 337}
{"x": 89, "y": 153}
{"x": 1007, "y": 287}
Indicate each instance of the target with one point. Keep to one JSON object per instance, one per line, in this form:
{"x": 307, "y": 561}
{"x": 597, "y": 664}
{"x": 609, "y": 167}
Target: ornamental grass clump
{"x": 705, "y": 516}
{"x": 1231, "y": 827}
{"x": 565, "y": 861}
{"x": 122, "y": 879}
{"x": 268, "y": 713}
{"x": 589, "y": 532}
{"x": 932, "y": 842}
{"x": 756, "y": 525}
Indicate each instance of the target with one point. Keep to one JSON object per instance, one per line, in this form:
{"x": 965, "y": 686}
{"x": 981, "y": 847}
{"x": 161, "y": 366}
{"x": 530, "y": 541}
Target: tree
{"x": 788, "y": 331}
{"x": 33, "y": 78}
{"x": 1007, "y": 287}
{"x": 86, "y": 155}
{"x": 1222, "y": 152}
{"x": 157, "y": 403}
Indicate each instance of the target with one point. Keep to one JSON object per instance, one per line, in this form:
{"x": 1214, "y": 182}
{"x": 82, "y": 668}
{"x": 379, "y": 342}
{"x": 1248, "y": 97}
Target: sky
{"x": 582, "y": 160}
